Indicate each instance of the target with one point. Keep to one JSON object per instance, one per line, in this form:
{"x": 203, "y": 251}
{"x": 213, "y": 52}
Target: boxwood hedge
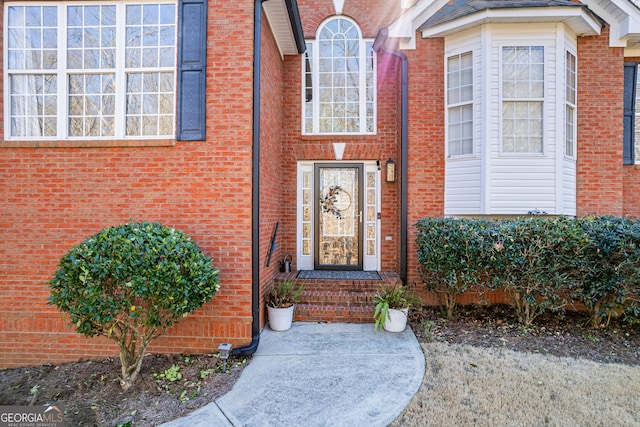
{"x": 542, "y": 263}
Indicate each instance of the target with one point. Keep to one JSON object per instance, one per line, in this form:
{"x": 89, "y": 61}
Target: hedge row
{"x": 541, "y": 263}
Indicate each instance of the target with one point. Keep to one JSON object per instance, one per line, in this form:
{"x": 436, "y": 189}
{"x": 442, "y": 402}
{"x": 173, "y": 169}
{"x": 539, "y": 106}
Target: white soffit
{"x": 278, "y": 17}
{"x": 623, "y": 17}
{"x": 576, "y": 18}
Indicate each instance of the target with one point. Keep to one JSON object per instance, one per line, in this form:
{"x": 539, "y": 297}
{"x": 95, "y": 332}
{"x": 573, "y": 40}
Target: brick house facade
{"x": 265, "y": 150}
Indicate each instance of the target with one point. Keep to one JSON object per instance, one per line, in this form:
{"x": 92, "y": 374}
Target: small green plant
{"x": 284, "y": 294}
{"x": 171, "y": 374}
{"x": 398, "y": 297}
{"x": 204, "y": 373}
{"x": 130, "y": 284}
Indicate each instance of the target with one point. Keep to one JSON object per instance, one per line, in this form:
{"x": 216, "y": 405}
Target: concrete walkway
{"x": 320, "y": 375}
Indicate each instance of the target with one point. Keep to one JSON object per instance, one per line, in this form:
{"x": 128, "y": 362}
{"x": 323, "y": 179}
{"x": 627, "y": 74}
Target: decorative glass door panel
{"x": 339, "y": 217}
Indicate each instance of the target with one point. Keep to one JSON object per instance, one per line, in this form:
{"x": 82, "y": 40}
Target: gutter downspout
{"x": 379, "y": 46}
{"x": 255, "y": 189}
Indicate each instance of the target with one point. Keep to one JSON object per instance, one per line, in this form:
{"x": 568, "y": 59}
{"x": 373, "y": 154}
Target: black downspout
{"x": 255, "y": 192}
{"x": 379, "y": 46}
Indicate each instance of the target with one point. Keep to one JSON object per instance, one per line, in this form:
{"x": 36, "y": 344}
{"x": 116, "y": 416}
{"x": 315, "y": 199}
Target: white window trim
{"x": 573, "y": 105}
{"x": 544, "y": 100}
{"x": 471, "y": 102}
{"x": 362, "y": 85}
{"x": 62, "y": 73}
{"x": 306, "y": 262}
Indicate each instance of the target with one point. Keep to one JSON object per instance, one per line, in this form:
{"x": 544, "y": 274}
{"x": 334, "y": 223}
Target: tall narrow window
{"x": 460, "y": 104}
{"x": 339, "y": 81}
{"x": 522, "y": 99}
{"x": 78, "y": 71}
{"x": 570, "y": 106}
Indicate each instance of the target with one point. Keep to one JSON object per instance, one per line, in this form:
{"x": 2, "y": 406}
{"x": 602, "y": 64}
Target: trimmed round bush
{"x": 131, "y": 283}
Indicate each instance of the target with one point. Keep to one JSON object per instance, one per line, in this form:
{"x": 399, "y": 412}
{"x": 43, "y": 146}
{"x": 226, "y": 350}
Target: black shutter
{"x": 192, "y": 69}
{"x": 630, "y": 71}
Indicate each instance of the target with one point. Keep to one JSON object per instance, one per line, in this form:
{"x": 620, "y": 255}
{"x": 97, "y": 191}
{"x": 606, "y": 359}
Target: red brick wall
{"x": 600, "y": 92}
{"x": 53, "y": 198}
{"x": 426, "y": 139}
{"x": 370, "y": 16}
{"x": 271, "y": 190}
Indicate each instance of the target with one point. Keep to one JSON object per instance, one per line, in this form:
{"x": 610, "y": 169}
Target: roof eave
{"x": 286, "y": 26}
{"x": 578, "y": 19}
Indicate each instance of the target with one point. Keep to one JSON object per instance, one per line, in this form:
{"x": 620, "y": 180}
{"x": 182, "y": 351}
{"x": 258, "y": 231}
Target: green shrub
{"x": 609, "y": 270}
{"x": 131, "y": 283}
{"x": 541, "y": 263}
{"x": 453, "y": 256}
{"x": 533, "y": 263}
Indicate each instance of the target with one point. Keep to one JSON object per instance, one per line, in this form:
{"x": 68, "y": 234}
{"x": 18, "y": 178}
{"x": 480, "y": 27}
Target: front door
{"x": 339, "y": 225}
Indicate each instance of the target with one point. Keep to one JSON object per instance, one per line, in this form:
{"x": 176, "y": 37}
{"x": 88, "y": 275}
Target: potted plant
{"x": 280, "y": 301}
{"x": 392, "y": 308}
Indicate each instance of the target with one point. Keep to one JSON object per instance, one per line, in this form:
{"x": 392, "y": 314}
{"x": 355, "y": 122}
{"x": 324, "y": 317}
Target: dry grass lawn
{"x": 473, "y": 386}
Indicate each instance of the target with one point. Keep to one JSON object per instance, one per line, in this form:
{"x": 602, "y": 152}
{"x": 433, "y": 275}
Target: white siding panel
{"x": 520, "y": 184}
{"x": 462, "y": 190}
{"x": 569, "y": 184}
{"x": 463, "y": 185}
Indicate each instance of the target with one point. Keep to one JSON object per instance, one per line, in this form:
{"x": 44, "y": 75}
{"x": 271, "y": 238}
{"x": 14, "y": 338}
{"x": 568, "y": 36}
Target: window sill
{"x": 337, "y": 137}
{"x": 88, "y": 143}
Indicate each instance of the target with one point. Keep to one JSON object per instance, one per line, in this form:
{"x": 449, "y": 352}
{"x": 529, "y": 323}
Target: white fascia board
{"x": 630, "y": 26}
{"x": 574, "y": 17}
{"x": 622, "y": 16}
{"x": 404, "y": 28}
{"x": 278, "y": 18}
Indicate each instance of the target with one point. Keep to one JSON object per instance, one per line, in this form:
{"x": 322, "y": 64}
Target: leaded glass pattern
{"x": 339, "y": 216}
{"x": 307, "y": 207}
{"x": 371, "y": 214}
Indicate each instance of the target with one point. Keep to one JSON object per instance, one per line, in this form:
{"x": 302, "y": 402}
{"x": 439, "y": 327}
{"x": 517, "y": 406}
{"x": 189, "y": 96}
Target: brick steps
{"x": 331, "y": 300}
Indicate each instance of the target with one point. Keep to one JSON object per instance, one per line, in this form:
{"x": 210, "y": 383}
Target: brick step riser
{"x": 306, "y": 313}
{"x": 317, "y": 286}
{"x": 320, "y": 297}
{"x": 331, "y": 300}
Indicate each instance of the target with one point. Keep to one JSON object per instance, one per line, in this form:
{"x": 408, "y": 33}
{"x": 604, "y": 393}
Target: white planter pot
{"x": 280, "y": 318}
{"x": 397, "y": 320}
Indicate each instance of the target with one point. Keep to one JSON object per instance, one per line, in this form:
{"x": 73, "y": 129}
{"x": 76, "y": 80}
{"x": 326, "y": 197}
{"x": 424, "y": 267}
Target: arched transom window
{"x": 339, "y": 81}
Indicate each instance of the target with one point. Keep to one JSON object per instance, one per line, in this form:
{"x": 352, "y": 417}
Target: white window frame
{"x": 460, "y": 105}
{"x": 522, "y": 99}
{"x": 63, "y": 73}
{"x": 571, "y": 104}
{"x": 311, "y": 109}
{"x": 636, "y": 130}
